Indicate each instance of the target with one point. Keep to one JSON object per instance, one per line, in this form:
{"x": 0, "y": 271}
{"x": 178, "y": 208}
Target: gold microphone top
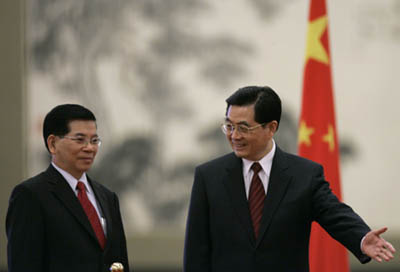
{"x": 117, "y": 267}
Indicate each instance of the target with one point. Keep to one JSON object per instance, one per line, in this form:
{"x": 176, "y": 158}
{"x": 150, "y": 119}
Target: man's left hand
{"x": 376, "y": 247}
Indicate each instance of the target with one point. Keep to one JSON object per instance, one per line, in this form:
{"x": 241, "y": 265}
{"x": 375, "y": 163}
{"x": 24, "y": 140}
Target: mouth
{"x": 238, "y": 146}
{"x": 87, "y": 160}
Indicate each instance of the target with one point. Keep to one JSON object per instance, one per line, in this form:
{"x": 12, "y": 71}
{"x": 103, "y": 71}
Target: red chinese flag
{"x": 317, "y": 133}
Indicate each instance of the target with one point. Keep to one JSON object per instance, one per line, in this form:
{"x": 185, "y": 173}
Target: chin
{"x": 85, "y": 168}
{"x": 240, "y": 154}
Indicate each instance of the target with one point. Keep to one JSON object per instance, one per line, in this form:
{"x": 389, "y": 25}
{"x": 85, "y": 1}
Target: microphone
{"x": 117, "y": 267}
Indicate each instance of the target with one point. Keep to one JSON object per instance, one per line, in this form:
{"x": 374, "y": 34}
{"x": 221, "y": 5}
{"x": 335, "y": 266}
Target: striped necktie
{"x": 256, "y": 198}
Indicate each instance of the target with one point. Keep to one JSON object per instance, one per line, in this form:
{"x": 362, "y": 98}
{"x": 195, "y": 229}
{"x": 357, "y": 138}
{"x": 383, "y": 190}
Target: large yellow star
{"x": 315, "y": 48}
{"x": 305, "y": 133}
{"x": 329, "y": 138}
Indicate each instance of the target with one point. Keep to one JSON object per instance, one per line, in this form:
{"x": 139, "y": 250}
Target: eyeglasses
{"x": 84, "y": 141}
{"x": 228, "y": 128}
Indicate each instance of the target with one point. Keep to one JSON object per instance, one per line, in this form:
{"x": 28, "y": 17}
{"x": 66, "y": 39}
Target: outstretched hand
{"x": 376, "y": 247}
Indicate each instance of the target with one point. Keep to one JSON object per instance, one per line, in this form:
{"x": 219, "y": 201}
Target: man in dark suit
{"x": 61, "y": 220}
{"x": 251, "y": 210}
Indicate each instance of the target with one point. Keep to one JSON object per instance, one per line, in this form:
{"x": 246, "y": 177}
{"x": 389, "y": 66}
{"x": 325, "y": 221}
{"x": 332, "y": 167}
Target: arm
{"x": 25, "y": 232}
{"x": 338, "y": 219}
{"x": 197, "y": 252}
{"x": 123, "y": 257}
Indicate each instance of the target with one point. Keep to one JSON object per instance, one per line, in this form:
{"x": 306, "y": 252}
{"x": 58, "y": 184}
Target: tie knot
{"x": 256, "y": 167}
{"x": 81, "y": 186}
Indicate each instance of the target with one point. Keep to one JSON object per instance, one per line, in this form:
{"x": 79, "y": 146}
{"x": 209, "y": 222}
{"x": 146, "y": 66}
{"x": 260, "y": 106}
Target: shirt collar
{"x": 72, "y": 181}
{"x": 265, "y": 162}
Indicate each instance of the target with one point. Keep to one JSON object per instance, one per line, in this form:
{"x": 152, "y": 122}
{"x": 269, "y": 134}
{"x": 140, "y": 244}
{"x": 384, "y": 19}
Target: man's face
{"x": 71, "y": 155}
{"x": 255, "y": 144}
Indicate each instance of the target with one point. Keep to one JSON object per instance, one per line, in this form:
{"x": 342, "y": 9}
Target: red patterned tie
{"x": 256, "y": 198}
{"x": 91, "y": 213}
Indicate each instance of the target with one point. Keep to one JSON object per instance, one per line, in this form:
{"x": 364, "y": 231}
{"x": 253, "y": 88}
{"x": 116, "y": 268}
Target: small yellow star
{"x": 329, "y": 138}
{"x": 305, "y": 133}
{"x": 315, "y": 48}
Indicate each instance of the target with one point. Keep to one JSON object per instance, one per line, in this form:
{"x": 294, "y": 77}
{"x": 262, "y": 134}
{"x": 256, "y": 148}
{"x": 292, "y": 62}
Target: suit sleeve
{"x": 338, "y": 219}
{"x": 123, "y": 252}
{"x": 197, "y": 251}
{"x": 25, "y": 232}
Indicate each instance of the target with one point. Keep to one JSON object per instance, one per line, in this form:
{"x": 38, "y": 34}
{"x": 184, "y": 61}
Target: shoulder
{"x": 30, "y": 188}
{"x": 294, "y": 162}
{"x": 219, "y": 162}
{"x": 298, "y": 159}
{"x": 33, "y": 183}
{"x": 103, "y": 192}
{"x": 100, "y": 186}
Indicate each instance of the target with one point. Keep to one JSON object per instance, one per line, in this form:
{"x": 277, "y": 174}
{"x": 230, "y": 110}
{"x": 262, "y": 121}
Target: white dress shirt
{"x": 264, "y": 174}
{"x": 89, "y": 191}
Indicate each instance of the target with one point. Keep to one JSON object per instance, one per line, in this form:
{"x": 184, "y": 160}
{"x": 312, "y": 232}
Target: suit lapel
{"x": 234, "y": 184}
{"x": 104, "y": 206}
{"x": 278, "y": 184}
{"x": 64, "y": 193}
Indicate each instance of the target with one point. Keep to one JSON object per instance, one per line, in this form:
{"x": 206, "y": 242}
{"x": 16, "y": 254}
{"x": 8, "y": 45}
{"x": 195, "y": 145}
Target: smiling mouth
{"x": 87, "y": 159}
{"x": 238, "y": 146}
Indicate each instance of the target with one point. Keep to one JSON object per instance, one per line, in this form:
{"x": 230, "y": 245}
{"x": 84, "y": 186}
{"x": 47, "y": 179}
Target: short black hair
{"x": 267, "y": 104}
{"x": 57, "y": 120}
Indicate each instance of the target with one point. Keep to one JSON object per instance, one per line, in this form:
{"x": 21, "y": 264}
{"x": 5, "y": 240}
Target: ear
{"x": 51, "y": 143}
{"x": 273, "y": 126}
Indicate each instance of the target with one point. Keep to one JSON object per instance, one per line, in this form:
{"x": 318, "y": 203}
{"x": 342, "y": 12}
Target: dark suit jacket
{"x": 48, "y": 231}
{"x": 219, "y": 233}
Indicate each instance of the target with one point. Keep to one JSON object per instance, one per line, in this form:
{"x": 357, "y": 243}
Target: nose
{"x": 235, "y": 134}
{"x": 89, "y": 146}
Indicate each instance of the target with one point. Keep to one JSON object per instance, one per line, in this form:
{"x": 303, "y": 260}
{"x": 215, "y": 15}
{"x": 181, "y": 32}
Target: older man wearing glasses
{"x": 61, "y": 220}
{"x": 251, "y": 210}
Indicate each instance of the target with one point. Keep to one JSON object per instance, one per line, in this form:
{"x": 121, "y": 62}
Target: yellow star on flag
{"x": 315, "y": 48}
{"x": 305, "y": 133}
{"x": 329, "y": 138}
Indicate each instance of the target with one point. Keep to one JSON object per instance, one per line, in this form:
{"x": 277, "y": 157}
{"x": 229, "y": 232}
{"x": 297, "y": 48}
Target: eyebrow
{"x": 79, "y": 134}
{"x": 239, "y": 123}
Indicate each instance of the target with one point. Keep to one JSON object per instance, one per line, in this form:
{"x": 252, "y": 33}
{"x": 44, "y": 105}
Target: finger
{"x": 375, "y": 255}
{"x": 386, "y": 255}
{"x": 383, "y": 253}
{"x": 390, "y": 247}
{"x": 378, "y": 259}
{"x": 380, "y": 231}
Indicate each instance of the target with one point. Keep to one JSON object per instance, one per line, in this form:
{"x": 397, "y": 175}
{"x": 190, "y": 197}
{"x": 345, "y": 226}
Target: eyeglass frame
{"x": 83, "y": 140}
{"x": 246, "y": 132}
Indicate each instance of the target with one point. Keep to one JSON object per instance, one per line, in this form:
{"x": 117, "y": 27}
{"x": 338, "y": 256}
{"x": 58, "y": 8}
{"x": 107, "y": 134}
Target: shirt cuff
{"x": 361, "y": 244}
